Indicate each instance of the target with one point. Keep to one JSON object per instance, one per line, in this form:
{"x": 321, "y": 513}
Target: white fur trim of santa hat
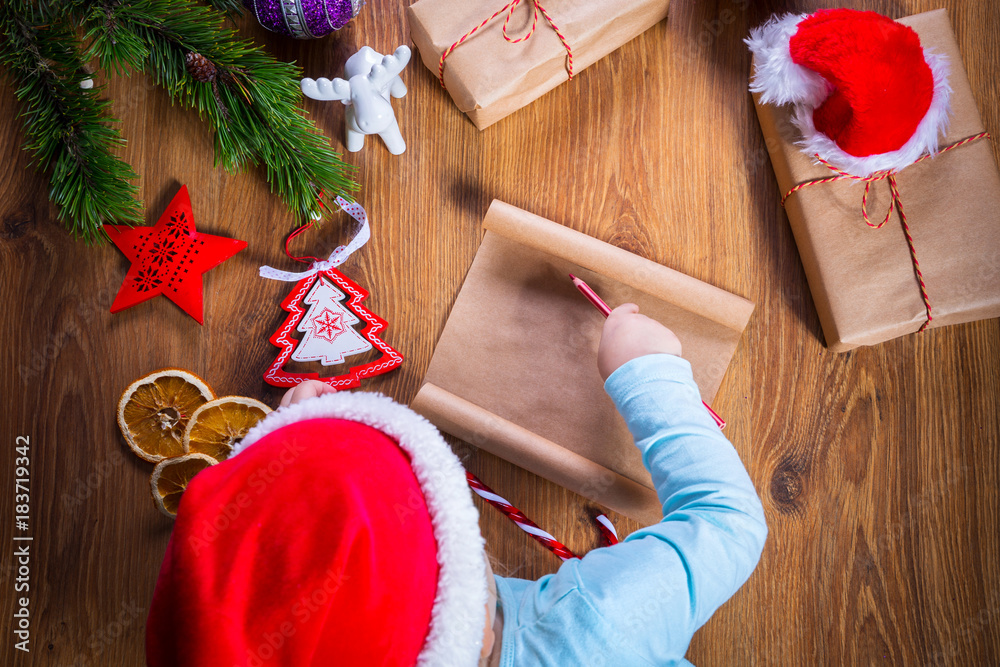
{"x": 458, "y": 617}
{"x": 779, "y": 80}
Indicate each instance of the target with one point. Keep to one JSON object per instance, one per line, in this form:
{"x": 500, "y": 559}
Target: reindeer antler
{"x": 326, "y": 90}
{"x": 384, "y": 72}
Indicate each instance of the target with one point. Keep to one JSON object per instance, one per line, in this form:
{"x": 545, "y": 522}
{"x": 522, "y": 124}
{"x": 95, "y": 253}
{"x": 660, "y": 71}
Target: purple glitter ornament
{"x": 304, "y": 19}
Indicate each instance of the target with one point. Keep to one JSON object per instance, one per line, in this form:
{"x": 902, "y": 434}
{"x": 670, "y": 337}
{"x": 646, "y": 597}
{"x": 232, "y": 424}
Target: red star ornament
{"x": 169, "y": 258}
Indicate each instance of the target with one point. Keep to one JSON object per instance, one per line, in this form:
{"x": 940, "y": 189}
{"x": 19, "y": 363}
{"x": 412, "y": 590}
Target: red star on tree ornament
{"x": 169, "y": 258}
{"x": 328, "y": 325}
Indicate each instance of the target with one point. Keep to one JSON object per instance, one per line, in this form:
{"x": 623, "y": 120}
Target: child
{"x": 342, "y": 532}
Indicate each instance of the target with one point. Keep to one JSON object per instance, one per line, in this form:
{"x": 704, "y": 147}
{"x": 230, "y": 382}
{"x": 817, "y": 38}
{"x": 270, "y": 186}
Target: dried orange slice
{"x": 154, "y": 412}
{"x": 171, "y": 477}
{"x": 219, "y": 424}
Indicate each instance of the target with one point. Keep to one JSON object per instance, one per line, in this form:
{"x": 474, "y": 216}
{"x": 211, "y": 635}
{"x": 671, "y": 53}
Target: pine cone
{"x": 200, "y": 67}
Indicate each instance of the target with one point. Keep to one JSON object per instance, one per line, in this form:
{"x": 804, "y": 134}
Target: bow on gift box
{"x": 895, "y": 201}
{"x": 509, "y": 8}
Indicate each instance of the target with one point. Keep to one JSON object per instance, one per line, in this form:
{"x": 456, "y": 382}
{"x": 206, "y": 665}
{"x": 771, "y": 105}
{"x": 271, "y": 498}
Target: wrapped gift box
{"x": 489, "y": 78}
{"x": 862, "y": 279}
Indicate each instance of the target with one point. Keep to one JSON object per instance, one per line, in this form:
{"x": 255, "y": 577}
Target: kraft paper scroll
{"x": 515, "y": 371}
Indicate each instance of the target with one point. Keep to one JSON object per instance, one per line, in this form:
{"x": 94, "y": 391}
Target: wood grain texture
{"x": 878, "y": 468}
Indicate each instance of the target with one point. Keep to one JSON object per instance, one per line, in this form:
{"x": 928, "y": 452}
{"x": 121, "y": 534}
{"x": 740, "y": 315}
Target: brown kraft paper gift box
{"x": 515, "y": 370}
{"x": 862, "y": 279}
{"x": 490, "y": 78}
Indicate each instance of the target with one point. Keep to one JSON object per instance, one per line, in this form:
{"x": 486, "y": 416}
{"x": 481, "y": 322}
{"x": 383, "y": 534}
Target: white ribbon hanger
{"x": 337, "y": 257}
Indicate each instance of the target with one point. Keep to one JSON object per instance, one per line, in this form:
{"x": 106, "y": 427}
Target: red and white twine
{"x": 895, "y": 201}
{"x": 530, "y": 527}
{"x": 509, "y": 8}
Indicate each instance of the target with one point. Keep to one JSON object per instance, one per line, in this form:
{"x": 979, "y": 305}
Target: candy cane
{"x": 529, "y": 526}
{"x": 607, "y": 529}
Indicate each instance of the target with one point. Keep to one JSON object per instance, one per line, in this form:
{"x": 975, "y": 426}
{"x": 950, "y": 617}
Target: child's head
{"x": 341, "y": 530}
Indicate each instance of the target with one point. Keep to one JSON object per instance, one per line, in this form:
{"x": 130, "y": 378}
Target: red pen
{"x": 598, "y": 302}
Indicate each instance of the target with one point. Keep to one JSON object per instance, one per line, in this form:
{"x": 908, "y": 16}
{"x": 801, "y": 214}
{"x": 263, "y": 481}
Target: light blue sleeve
{"x": 640, "y": 601}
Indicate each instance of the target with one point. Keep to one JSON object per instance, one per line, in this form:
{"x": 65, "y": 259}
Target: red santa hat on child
{"x": 867, "y": 96}
{"x": 341, "y": 532}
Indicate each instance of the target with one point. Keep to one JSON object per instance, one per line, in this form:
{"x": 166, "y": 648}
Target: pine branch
{"x": 253, "y": 103}
{"x": 230, "y": 8}
{"x": 67, "y": 128}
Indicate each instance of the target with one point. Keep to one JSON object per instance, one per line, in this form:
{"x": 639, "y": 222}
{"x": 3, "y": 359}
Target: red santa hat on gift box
{"x": 341, "y": 532}
{"x": 867, "y": 96}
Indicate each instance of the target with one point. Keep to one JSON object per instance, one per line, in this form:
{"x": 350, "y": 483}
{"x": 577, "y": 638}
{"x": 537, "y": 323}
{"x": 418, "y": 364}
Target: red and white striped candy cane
{"x": 607, "y": 529}
{"x": 529, "y": 526}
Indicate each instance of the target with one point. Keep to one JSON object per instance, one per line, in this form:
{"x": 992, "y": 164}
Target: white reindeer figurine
{"x": 371, "y": 79}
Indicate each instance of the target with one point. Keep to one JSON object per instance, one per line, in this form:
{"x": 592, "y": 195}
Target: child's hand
{"x": 628, "y": 335}
{"x": 308, "y": 389}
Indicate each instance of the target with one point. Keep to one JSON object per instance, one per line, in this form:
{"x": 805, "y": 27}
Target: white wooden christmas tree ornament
{"x": 328, "y": 327}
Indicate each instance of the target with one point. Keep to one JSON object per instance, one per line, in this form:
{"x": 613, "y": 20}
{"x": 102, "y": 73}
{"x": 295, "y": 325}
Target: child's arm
{"x": 639, "y": 602}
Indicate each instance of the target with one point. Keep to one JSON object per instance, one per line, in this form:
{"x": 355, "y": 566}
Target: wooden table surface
{"x": 878, "y": 469}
